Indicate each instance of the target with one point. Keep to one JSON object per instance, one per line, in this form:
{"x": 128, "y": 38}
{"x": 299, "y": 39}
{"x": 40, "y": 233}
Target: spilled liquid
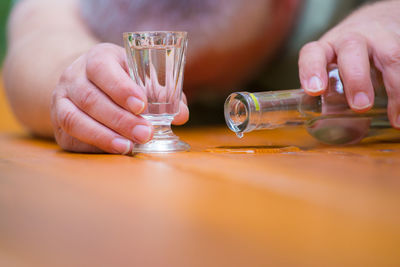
{"x": 253, "y": 149}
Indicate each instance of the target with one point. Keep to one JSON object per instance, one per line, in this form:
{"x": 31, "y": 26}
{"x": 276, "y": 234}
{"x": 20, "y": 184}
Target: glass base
{"x": 161, "y": 145}
{"x": 164, "y": 140}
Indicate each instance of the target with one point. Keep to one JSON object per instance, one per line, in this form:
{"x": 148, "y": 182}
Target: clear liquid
{"x": 161, "y": 109}
{"x": 156, "y": 61}
{"x": 157, "y": 70}
{"x": 239, "y": 134}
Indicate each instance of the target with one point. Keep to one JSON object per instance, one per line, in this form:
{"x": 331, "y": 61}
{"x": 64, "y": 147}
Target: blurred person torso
{"x": 228, "y": 39}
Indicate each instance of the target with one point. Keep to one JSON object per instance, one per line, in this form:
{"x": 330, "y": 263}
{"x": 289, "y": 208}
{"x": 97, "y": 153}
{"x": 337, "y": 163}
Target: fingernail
{"x": 141, "y": 133}
{"x": 361, "y": 100}
{"x": 315, "y": 84}
{"x": 121, "y": 146}
{"x": 135, "y": 105}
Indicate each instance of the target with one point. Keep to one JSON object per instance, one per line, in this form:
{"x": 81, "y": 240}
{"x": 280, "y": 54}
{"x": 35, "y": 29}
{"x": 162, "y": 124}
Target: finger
{"x": 106, "y": 69}
{"x": 88, "y": 98}
{"x": 66, "y": 141}
{"x": 72, "y": 144}
{"x": 79, "y": 125}
{"x": 392, "y": 82}
{"x": 354, "y": 67}
{"x": 184, "y": 99}
{"x": 313, "y": 60}
{"x": 387, "y": 59}
{"x": 183, "y": 115}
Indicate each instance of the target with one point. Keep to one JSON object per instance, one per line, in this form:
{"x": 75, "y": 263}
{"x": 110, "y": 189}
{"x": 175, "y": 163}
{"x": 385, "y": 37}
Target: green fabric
{"x": 4, "y": 10}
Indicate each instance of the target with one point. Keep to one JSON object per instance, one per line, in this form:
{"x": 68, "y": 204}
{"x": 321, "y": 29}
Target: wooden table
{"x": 284, "y": 200}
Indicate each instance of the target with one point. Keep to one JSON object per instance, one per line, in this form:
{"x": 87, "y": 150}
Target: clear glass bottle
{"x": 328, "y": 117}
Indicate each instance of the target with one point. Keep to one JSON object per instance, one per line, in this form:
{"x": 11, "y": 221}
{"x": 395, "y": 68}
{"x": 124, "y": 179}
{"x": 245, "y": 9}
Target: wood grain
{"x": 275, "y": 198}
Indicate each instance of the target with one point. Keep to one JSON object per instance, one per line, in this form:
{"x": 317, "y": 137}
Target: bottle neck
{"x": 245, "y": 112}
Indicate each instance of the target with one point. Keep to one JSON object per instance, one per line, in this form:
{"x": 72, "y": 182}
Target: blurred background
{"x": 5, "y": 6}
{"x": 8, "y": 122}
{"x": 280, "y": 73}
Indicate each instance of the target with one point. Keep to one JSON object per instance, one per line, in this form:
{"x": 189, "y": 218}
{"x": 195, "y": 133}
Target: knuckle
{"x": 307, "y": 50}
{"x": 391, "y": 56}
{"x": 119, "y": 120}
{"x": 351, "y": 40}
{"x": 53, "y": 99}
{"x": 62, "y": 139}
{"x": 100, "y": 49}
{"x": 87, "y": 99}
{"x": 66, "y": 76}
{"x": 67, "y": 120}
{"x": 97, "y": 56}
{"x": 312, "y": 57}
{"x": 53, "y": 113}
{"x": 393, "y": 96}
{"x": 57, "y": 131}
{"x": 56, "y": 96}
{"x": 63, "y": 78}
{"x": 310, "y": 47}
{"x": 70, "y": 73}
{"x": 94, "y": 64}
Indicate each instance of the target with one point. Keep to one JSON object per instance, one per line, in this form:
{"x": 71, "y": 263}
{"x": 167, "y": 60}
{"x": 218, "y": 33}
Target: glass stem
{"x": 162, "y": 131}
{"x": 162, "y": 128}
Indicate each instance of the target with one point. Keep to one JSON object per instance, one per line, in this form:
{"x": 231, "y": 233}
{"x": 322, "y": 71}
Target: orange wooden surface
{"x": 8, "y": 122}
{"x": 284, "y": 200}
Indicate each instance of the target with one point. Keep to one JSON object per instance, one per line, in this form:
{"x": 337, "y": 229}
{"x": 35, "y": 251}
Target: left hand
{"x": 369, "y": 35}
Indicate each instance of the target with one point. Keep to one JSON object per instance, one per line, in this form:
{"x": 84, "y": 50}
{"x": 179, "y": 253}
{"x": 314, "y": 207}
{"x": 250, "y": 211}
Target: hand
{"x": 369, "y": 35}
{"x": 95, "y": 105}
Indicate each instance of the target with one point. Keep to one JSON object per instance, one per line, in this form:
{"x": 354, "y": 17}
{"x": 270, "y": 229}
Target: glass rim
{"x": 237, "y": 98}
{"x": 183, "y": 33}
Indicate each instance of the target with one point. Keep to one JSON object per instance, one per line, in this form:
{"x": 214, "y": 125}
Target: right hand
{"x": 369, "y": 35}
{"x": 96, "y": 105}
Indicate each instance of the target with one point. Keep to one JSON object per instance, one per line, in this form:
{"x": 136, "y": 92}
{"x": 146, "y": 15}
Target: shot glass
{"x": 156, "y": 62}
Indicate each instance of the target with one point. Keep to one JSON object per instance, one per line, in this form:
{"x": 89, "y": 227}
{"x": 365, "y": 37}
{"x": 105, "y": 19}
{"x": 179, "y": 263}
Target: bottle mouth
{"x": 236, "y": 110}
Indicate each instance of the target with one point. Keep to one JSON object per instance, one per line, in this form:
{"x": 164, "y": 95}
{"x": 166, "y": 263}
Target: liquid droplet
{"x": 239, "y": 134}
